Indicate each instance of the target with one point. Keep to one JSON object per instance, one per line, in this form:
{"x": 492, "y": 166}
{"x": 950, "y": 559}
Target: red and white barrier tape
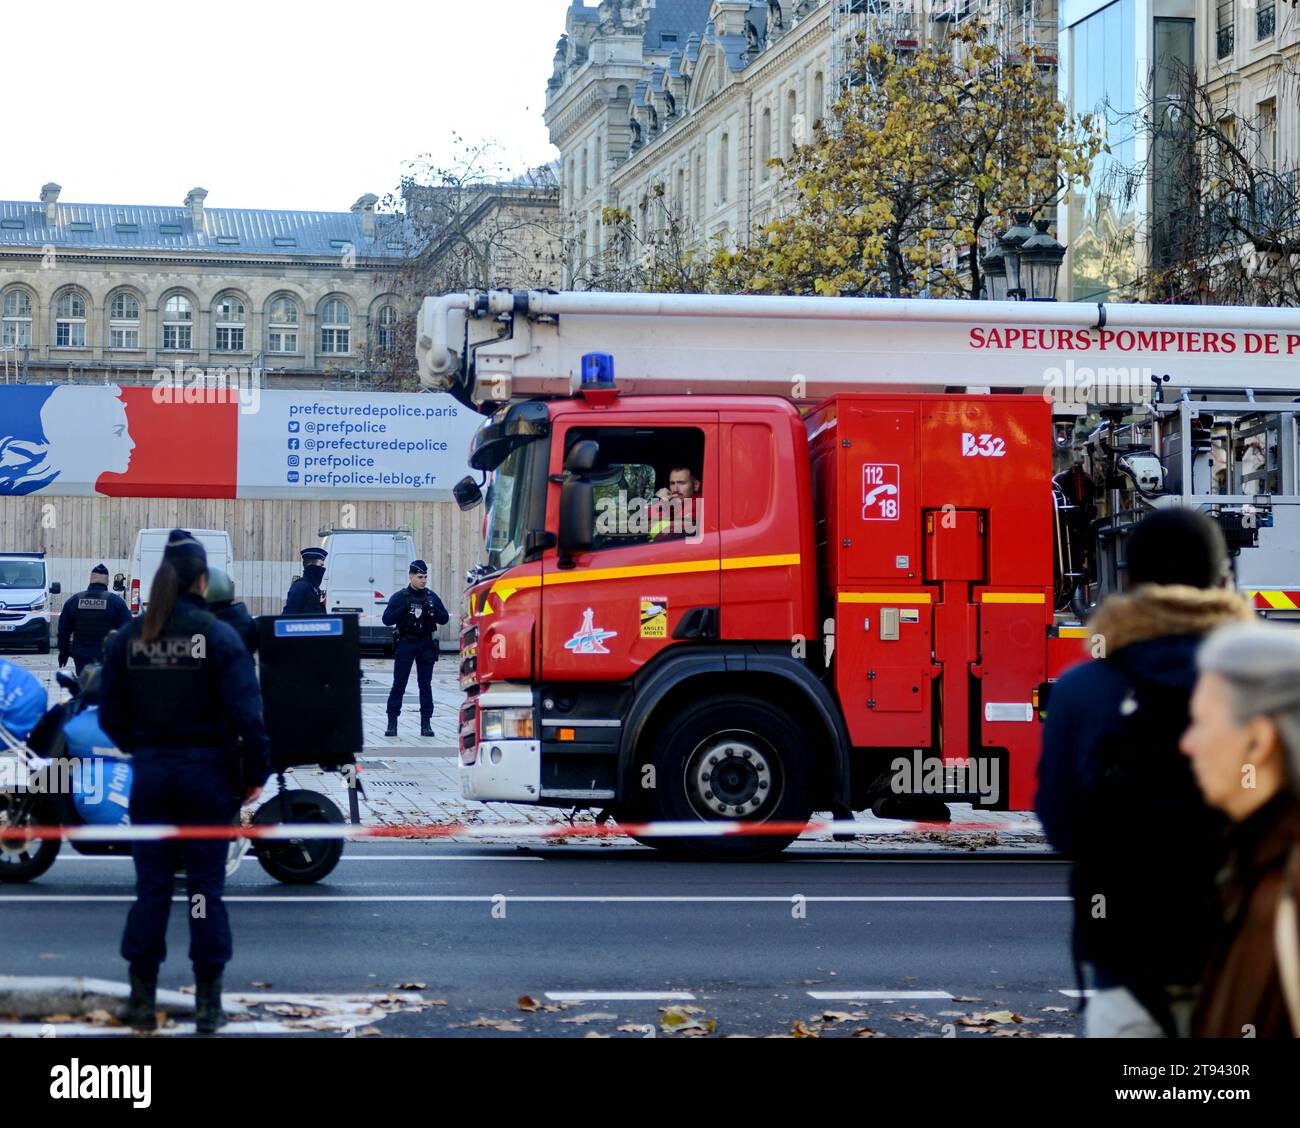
{"x": 319, "y": 831}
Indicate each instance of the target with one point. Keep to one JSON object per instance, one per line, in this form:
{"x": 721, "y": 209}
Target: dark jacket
{"x": 222, "y": 683}
{"x": 1242, "y": 987}
{"x": 304, "y": 599}
{"x": 1152, "y": 633}
{"x": 411, "y": 627}
{"x": 236, "y": 616}
{"x": 82, "y": 631}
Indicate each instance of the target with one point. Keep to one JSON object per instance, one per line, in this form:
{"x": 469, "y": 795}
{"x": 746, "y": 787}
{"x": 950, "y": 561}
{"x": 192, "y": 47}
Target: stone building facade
{"x": 99, "y": 291}
{"x": 1249, "y": 56}
{"x": 694, "y": 96}
{"x": 671, "y": 111}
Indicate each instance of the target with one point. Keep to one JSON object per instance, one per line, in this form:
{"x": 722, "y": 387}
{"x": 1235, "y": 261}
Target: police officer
{"x": 415, "y": 613}
{"x": 220, "y": 598}
{"x": 306, "y": 597}
{"x": 87, "y": 618}
{"x": 178, "y": 689}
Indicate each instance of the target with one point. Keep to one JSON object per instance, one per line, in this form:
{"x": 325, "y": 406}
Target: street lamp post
{"x": 1040, "y": 264}
{"x": 995, "y": 273}
{"x": 1011, "y": 242}
{"x": 1022, "y": 264}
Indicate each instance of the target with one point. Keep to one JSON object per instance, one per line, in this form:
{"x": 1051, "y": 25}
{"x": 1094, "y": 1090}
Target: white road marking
{"x": 522, "y": 898}
{"x": 617, "y": 996}
{"x": 337, "y": 1014}
{"x": 1088, "y": 994}
{"x": 891, "y": 995}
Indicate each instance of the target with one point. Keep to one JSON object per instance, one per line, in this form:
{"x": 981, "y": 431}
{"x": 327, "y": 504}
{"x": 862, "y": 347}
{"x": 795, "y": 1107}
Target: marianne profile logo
{"x": 65, "y": 435}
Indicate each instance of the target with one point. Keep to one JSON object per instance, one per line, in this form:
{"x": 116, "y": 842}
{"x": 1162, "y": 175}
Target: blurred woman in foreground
{"x": 1244, "y": 744}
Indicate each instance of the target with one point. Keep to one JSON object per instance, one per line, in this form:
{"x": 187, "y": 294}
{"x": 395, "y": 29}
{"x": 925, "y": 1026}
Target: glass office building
{"x": 1119, "y": 60}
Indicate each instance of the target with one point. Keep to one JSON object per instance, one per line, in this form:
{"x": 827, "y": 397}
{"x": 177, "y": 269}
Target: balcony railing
{"x": 1265, "y": 19}
{"x": 1225, "y": 41}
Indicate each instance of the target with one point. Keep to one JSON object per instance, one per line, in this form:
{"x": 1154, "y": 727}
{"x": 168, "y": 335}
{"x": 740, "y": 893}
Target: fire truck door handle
{"x": 699, "y": 623}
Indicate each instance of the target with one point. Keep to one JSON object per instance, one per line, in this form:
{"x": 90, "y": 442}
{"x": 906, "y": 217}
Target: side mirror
{"x": 55, "y": 588}
{"x": 119, "y": 582}
{"x": 466, "y": 493}
{"x": 577, "y": 518}
{"x": 582, "y": 456}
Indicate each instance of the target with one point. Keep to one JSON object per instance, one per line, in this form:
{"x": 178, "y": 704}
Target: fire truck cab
{"x": 751, "y": 558}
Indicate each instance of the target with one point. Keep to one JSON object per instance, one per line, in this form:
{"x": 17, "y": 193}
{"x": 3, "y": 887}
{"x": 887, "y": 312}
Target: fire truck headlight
{"x": 506, "y": 724}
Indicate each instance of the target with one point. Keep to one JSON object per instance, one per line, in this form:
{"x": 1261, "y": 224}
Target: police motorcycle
{"x": 67, "y": 773}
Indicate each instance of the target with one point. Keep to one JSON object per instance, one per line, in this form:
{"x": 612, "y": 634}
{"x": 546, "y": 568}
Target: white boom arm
{"x": 498, "y": 346}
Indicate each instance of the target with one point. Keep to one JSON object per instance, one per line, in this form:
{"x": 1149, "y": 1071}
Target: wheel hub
{"x": 730, "y": 777}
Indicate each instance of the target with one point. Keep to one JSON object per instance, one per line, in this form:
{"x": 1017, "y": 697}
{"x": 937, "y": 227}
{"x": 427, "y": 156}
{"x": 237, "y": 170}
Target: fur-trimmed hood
{"x": 1160, "y": 611}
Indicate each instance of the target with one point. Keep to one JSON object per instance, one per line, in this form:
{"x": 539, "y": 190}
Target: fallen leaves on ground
{"x": 102, "y": 1018}
{"x": 293, "y": 1010}
{"x": 990, "y": 1019}
{"x": 682, "y": 1020}
{"x": 503, "y": 1024}
{"x": 410, "y": 986}
{"x": 595, "y": 1016}
{"x": 799, "y": 1030}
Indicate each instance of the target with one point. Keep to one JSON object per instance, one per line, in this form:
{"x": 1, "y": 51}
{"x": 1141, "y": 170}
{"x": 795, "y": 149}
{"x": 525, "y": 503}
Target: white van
{"x": 363, "y": 570}
{"x": 24, "y": 608}
{"x": 147, "y": 555}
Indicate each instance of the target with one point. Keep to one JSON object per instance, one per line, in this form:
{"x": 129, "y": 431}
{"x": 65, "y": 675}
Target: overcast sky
{"x": 292, "y": 104}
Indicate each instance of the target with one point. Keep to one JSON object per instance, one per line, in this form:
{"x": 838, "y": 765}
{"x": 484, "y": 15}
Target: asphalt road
{"x": 474, "y": 929}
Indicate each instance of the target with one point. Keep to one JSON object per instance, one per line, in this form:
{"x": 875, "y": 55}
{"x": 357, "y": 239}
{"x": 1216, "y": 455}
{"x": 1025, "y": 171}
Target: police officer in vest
{"x": 306, "y": 597}
{"x": 415, "y": 613}
{"x": 178, "y": 689}
{"x": 87, "y": 618}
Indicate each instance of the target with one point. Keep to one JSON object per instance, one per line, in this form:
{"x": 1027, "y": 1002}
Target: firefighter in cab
{"x": 415, "y": 613}
{"x": 86, "y": 620}
{"x": 178, "y": 692}
{"x": 306, "y": 597}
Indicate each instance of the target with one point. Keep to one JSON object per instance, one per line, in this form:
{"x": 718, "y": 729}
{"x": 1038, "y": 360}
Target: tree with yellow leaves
{"x": 926, "y": 150}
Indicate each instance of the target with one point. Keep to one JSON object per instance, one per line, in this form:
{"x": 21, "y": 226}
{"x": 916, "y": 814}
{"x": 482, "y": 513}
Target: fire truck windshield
{"x": 510, "y": 504}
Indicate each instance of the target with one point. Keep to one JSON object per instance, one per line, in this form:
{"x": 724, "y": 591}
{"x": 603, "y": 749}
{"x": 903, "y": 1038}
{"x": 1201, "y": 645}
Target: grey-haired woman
{"x": 1244, "y": 744}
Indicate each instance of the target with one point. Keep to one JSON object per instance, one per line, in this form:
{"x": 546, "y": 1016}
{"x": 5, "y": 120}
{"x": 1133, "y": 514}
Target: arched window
{"x": 335, "y": 327}
{"x": 818, "y": 99}
{"x": 679, "y": 197}
{"x": 724, "y": 167}
{"x": 386, "y": 328}
{"x": 123, "y": 321}
{"x": 764, "y": 145}
{"x": 70, "y": 321}
{"x": 582, "y": 173}
{"x": 178, "y": 323}
{"x": 229, "y": 318}
{"x": 282, "y": 326}
{"x": 17, "y": 310}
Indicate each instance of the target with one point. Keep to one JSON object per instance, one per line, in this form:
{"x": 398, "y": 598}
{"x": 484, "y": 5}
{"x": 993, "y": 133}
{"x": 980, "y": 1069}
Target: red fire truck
{"x": 748, "y": 558}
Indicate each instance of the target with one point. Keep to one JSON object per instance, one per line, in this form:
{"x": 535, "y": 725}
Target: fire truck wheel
{"x": 732, "y": 759}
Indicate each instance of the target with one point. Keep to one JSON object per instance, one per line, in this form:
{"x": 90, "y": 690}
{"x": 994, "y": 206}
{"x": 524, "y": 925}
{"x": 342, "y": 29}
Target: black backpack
{"x": 1147, "y": 848}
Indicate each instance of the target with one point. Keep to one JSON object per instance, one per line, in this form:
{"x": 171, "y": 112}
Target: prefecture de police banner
{"x": 159, "y": 441}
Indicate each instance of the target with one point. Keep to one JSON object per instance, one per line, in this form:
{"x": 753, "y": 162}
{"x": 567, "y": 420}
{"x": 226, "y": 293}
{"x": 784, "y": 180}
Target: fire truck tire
{"x": 731, "y": 759}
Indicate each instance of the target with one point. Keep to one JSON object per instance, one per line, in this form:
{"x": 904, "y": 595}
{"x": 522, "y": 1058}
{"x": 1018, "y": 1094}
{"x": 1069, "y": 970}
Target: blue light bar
{"x": 598, "y": 370}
